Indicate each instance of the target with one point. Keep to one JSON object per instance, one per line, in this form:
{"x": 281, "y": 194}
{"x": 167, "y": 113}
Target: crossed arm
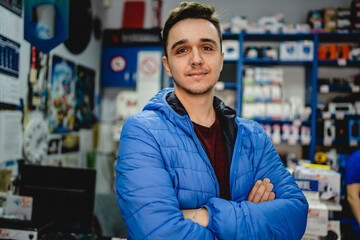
{"x": 261, "y": 192}
{"x": 150, "y": 206}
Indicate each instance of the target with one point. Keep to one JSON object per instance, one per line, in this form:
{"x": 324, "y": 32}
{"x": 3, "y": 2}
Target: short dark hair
{"x": 189, "y": 10}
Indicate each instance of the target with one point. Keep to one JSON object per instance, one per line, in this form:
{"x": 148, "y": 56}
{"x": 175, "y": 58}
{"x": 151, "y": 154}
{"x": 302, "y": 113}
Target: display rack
{"x": 311, "y": 71}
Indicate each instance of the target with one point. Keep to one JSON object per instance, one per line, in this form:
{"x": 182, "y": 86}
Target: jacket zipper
{"x": 234, "y": 160}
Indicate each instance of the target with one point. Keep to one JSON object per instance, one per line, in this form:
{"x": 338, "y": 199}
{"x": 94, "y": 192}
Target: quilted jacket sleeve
{"x": 145, "y": 191}
{"x": 283, "y": 218}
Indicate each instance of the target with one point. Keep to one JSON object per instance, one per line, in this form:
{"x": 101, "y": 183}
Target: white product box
{"x": 18, "y": 234}
{"x": 329, "y": 183}
{"x": 20, "y": 207}
{"x": 231, "y": 49}
{"x": 306, "y": 50}
{"x": 289, "y": 50}
{"x": 317, "y": 222}
{"x": 334, "y": 229}
{"x": 310, "y": 237}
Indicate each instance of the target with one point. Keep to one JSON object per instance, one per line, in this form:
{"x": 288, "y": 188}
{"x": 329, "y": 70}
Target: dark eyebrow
{"x": 178, "y": 43}
{"x": 208, "y": 40}
{"x": 185, "y": 41}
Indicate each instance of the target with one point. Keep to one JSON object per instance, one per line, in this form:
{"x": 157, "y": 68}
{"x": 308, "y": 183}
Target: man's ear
{"x": 166, "y": 65}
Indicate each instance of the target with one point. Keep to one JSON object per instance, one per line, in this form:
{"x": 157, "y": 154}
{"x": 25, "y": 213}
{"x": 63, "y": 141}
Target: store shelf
{"x": 263, "y": 37}
{"x": 335, "y": 88}
{"x": 337, "y": 116}
{"x": 339, "y": 63}
{"x": 274, "y": 62}
{"x": 338, "y": 142}
{"x": 338, "y": 37}
{"x": 268, "y": 120}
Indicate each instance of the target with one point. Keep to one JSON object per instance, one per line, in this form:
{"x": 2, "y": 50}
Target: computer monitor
{"x": 62, "y": 197}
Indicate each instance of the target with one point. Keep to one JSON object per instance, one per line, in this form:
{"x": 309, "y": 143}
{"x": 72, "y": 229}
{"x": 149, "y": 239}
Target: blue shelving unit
{"x": 311, "y": 68}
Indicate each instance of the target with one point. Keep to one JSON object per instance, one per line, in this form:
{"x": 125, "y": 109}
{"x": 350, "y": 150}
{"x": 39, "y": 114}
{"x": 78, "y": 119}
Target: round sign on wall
{"x": 117, "y": 63}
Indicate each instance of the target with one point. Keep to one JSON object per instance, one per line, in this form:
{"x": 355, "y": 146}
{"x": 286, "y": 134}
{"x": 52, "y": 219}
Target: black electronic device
{"x": 62, "y": 197}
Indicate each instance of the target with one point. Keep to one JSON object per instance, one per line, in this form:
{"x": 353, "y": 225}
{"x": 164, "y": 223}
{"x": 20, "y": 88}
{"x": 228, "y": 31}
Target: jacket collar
{"x": 225, "y": 114}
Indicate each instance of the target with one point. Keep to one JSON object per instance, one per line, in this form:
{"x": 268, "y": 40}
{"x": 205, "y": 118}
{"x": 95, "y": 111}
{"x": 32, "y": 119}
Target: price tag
{"x": 355, "y": 88}
{"x": 327, "y": 142}
{"x": 324, "y": 88}
{"x": 353, "y": 143}
{"x": 326, "y": 115}
{"x": 340, "y": 115}
{"x": 341, "y": 62}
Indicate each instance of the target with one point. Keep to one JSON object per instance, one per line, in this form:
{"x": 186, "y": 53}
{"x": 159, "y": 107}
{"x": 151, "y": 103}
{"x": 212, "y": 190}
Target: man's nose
{"x": 196, "y": 58}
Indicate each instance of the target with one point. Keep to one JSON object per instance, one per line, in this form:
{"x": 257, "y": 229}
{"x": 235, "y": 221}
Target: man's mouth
{"x": 197, "y": 74}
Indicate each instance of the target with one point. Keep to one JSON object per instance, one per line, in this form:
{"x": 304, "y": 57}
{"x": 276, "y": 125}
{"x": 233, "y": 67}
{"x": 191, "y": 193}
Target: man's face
{"x": 194, "y": 57}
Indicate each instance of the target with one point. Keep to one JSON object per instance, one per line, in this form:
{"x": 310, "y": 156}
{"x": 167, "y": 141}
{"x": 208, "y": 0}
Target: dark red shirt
{"x": 215, "y": 148}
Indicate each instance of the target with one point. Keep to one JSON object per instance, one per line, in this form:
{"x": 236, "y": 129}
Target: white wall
{"x": 295, "y": 10}
{"x": 90, "y": 57}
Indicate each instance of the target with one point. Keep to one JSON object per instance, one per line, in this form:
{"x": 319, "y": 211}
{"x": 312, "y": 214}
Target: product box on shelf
{"x": 289, "y": 50}
{"x": 344, "y": 107}
{"x": 318, "y": 215}
{"x": 329, "y": 182}
{"x": 306, "y": 50}
{"x": 327, "y": 52}
{"x": 330, "y": 20}
{"x": 329, "y": 131}
{"x": 231, "y": 49}
{"x": 354, "y": 131}
{"x": 317, "y": 219}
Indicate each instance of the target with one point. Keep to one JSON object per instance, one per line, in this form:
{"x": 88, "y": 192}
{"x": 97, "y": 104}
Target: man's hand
{"x": 261, "y": 192}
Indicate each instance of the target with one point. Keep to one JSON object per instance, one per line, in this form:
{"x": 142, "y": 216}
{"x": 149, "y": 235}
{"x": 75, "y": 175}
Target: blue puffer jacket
{"x": 162, "y": 168}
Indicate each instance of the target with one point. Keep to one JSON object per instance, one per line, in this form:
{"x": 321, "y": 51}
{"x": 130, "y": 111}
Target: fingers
{"x": 253, "y": 190}
{"x": 261, "y": 192}
{"x": 267, "y": 192}
{"x": 272, "y": 196}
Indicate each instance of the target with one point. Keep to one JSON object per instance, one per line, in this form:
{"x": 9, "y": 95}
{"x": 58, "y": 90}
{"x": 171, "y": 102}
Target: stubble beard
{"x": 194, "y": 91}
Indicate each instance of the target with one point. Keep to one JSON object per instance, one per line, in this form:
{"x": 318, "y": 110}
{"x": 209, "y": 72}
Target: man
{"x": 352, "y": 175}
{"x": 188, "y": 168}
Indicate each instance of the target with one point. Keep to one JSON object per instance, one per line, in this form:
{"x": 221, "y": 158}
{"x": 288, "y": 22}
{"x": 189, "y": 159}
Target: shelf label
{"x": 355, "y": 88}
{"x": 353, "y": 143}
{"x": 324, "y": 88}
{"x": 340, "y": 115}
{"x": 341, "y": 62}
{"x": 326, "y": 115}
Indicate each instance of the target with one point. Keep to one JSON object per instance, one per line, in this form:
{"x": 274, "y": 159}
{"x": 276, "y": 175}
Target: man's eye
{"x": 208, "y": 48}
{"x": 181, "y": 50}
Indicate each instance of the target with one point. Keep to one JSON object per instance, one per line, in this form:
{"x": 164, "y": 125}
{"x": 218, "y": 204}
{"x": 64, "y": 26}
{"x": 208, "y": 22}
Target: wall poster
{"x": 62, "y": 108}
{"x": 85, "y": 87}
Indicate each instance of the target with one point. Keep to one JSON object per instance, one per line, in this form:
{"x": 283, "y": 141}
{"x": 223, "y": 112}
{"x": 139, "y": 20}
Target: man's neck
{"x": 199, "y": 107}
